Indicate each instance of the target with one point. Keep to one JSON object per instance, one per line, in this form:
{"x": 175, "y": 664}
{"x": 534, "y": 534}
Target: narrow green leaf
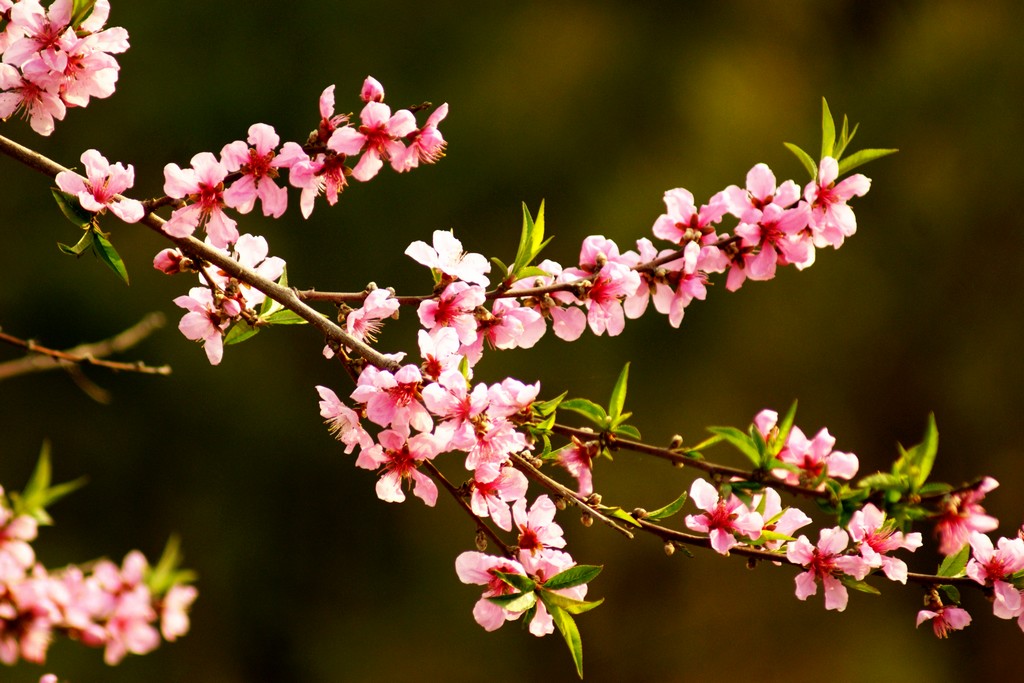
{"x": 570, "y": 605}
{"x": 883, "y": 482}
{"x": 531, "y": 271}
{"x": 862, "y": 157}
{"x": 502, "y": 268}
{"x": 934, "y": 488}
{"x": 239, "y": 332}
{"x": 80, "y": 247}
{"x": 785, "y": 427}
{"x": 618, "y": 399}
{"x": 525, "y": 242}
{"x": 828, "y": 130}
{"x": 71, "y": 209}
{"x": 741, "y": 441}
{"x": 627, "y": 431}
{"x": 545, "y": 408}
{"x": 105, "y": 250}
{"x": 587, "y": 409}
{"x": 81, "y": 9}
{"x": 706, "y": 443}
{"x": 618, "y": 513}
{"x": 925, "y": 452}
{"x": 670, "y": 509}
{"x": 537, "y": 240}
{"x": 285, "y": 317}
{"x": 521, "y": 583}
{"x": 951, "y": 593}
{"x": 567, "y": 627}
{"x": 40, "y": 479}
{"x": 573, "y": 576}
{"x": 856, "y": 585}
{"x": 954, "y": 565}
{"x": 805, "y": 159}
{"x": 515, "y": 602}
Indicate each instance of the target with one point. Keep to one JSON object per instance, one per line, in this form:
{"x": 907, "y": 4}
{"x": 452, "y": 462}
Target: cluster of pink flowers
{"x": 49, "y": 65}
{"x": 108, "y": 606}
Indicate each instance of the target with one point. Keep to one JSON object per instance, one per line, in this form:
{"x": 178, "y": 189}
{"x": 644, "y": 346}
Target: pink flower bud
{"x": 372, "y": 90}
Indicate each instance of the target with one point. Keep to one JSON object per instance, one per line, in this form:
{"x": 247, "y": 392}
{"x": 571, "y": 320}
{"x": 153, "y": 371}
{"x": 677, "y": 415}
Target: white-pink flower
{"x": 399, "y": 457}
{"x": 826, "y": 563}
{"x": 448, "y": 257}
{"x": 393, "y": 399}
{"x": 342, "y": 421}
{"x": 537, "y": 528}
{"x": 96, "y": 192}
{"x": 202, "y": 187}
{"x": 945, "y": 619}
{"x": 379, "y": 138}
{"x": 993, "y": 566}
{"x": 876, "y": 538}
{"x": 492, "y": 498}
{"x": 258, "y": 164}
{"x": 832, "y": 220}
{"x": 724, "y": 519}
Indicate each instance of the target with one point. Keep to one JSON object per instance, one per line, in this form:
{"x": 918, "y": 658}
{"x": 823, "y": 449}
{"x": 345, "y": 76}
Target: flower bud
{"x": 372, "y": 90}
{"x": 170, "y": 262}
{"x": 670, "y": 548}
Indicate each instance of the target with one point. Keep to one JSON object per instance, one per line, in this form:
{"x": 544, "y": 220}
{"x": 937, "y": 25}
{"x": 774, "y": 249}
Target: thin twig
{"x": 42, "y": 358}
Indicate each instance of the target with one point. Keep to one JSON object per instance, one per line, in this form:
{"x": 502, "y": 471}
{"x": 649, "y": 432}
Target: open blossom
{"x": 365, "y": 322}
{"x": 723, "y": 519}
{"x": 507, "y": 325}
{"x": 393, "y": 400}
{"x": 492, "y": 498}
{"x": 876, "y": 538}
{"x": 831, "y": 219}
{"x": 482, "y": 570}
{"x": 826, "y": 563}
{"x": 749, "y": 203}
{"x": 202, "y": 186}
{"x": 454, "y": 308}
{"x": 777, "y": 520}
{"x": 994, "y": 565}
{"x": 426, "y": 145}
{"x": 35, "y": 91}
{"x": 174, "y": 621}
{"x": 813, "y": 457}
{"x": 578, "y": 459}
{"x": 961, "y": 514}
{"x": 342, "y": 421}
{"x": 448, "y": 257}
{"x": 945, "y": 619}
{"x": 537, "y": 528}
{"x": 103, "y": 180}
{"x": 378, "y": 138}
{"x": 258, "y": 164}
{"x": 683, "y": 222}
{"x": 206, "y": 321}
{"x": 399, "y": 456}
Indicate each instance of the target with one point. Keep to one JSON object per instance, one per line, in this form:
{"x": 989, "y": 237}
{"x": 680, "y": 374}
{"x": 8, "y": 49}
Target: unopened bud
{"x": 586, "y": 519}
{"x": 560, "y": 502}
{"x": 171, "y": 262}
{"x": 751, "y": 563}
{"x": 676, "y": 442}
{"x": 639, "y": 513}
{"x": 670, "y": 548}
{"x": 481, "y": 541}
{"x": 594, "y": 499}
{"x": 372, "y": 90}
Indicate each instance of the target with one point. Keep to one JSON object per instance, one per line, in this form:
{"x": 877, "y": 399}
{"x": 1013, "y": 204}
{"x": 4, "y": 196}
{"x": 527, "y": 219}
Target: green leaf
{"x": 285, "y": 317}
{"x": 618, "y": 513}
{"x": 502, "y": 268}
{"x": 785, "y": 427}
{"x": 934, "y": 488}
{"x": 862, "y": 157}
{"x": 515, "y": 602}
{"x": 80, "y": 247}
{"x": 166, "y": 573}
{"x": 954, "y": 565}
{"x": 573, "y": 576}
{"x": 587, "y": 409}
{"x": 521, "y": 583}
{"x": 106, "y": 252}
{"x": 38, "y": 494}
{"x": 531, "y": 271}
{"x": 951, "y": 593}
{"x": 545, "y": 408}
{"x": 531, "y": 242}
{"x": 570, "y": 605}
{"x": 883, "y": 482}
{"x": 618, "y": 399}
{"x": 627, "y": 431}
{"x": 81, "y": 9}
{"x": 567, "y": 627}
{"x": 856, "y": 585}
{"x": 804, "y": 158}
{"x": 239, "y": 332}
{"x": 925, "y": 452}
{"x": 828, "y": 130}
{"x": 740, "y": 440}
{"x": 72, "y": 210}
{"x": 670, "y": 509}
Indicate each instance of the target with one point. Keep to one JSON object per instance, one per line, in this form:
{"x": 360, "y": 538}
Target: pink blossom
{"x": 492, "y": 498}
{"x": 372, "y": 90}
{"x": 455, "y": 308}
{"x": 679, "y": 282}
{"x": 682, "y": 222}
{"x": 876, "y": 538}
{"x": 399, "y": 457}
{"x": 251, "y": 252}
{"x": 393, "y": 399}
{"x": 778, "y": 521}
{"x": 103, "y": 180}
{"x": 537, "y": 528}
{"x": 578, "y": 459}
{"x": 205, "y": 321}
{"x": 42, "y": 32}
{"x": 379, "y": 138}
{"x": 945, "y": 619}
{"x": 426, "y": 145}
{"x": 203, "y": 186}
{"x": 35, "y": 91}
{"x": 482, "y": 570}
{"x": 448, "y": 257}
{"x": 991, "y": 566}
{"x": 174, "y": 621}
{"x": 460, "y": 409}
{"x": 542, "y": 566}
{"x": 511, "y": 397}
{"x": 365, "y": 322}
{"x": 814, "y": 459}
{"x": 507, "y": 325}
{"x": 323, "y": 173}
{"x": 831, "y": 220}
{"x": 439, "y": 351}
{"x": 342, "y": 421}
{"x": 724, "y": 519}
{"x": 962, "y": 513}
{"x": 495, "y": 440}
{"x": 826, "y": 563}
{"x": 567, "y": 321}
{"x": 258, "y": 165}
{"x": 779, "y": 238}
{"x": 329, "y": 121}
{"x": 748, "y": 204}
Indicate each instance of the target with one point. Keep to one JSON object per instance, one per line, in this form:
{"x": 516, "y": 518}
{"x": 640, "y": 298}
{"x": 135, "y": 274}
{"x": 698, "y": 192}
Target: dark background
{"x": 598, "y": 108}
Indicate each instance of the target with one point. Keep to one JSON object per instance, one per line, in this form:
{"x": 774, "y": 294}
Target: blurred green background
{"x": 597, "y": 108}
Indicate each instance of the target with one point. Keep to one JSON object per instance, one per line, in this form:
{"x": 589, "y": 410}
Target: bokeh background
{"x": 597, "y": 108}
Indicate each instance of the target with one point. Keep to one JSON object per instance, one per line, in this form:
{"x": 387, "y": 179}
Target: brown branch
{"x": 285, "y": 296}
{"x": 42, "y": 358}
{"x": 481, "y": 528}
